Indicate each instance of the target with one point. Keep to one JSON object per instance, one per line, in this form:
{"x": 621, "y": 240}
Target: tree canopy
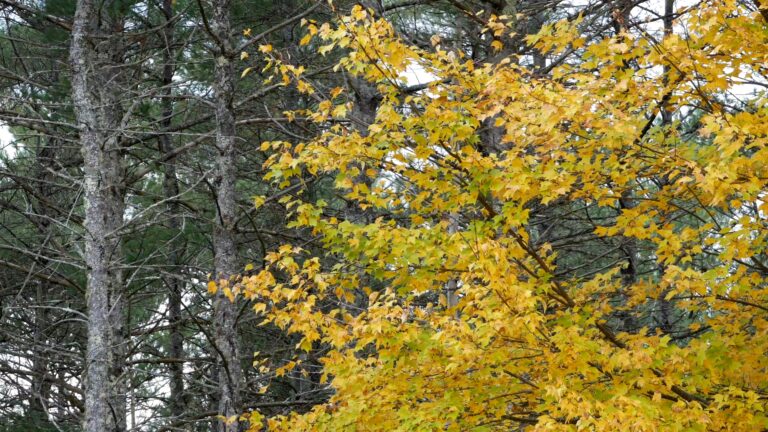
{"x": 412, "y": 215}
{"x": 600, "y": 266}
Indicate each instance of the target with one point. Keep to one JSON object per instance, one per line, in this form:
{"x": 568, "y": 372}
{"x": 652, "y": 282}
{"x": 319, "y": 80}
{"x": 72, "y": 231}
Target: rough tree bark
{"x": 93, "y": 51}
{"x": 177, "y": 403}
{"x": 41, "y": 388}
{"x": 230, "y": 377}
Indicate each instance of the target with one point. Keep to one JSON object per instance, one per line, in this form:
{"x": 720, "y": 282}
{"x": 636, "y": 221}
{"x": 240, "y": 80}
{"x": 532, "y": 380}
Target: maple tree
{"x": 468, "y": 321}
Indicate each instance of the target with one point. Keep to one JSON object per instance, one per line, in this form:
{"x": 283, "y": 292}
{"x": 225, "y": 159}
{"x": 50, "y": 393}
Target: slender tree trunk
{"x": 669, "y": 10}
{"x": 177, "y": 404}
{"x": 367, "y": 99}
{"x": 665, "y": 307}
{"x": 94, "y": 84}
{"x": 41, "y": 387}
{"x": 224, "y": 242}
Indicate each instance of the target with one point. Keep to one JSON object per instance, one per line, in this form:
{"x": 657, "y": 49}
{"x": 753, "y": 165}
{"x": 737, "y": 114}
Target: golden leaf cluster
{"x": 526, "y": 344}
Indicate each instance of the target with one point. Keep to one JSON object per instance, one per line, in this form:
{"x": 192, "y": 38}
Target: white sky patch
{"x": 7, "y": 142}
{"x": 416, "y": 74}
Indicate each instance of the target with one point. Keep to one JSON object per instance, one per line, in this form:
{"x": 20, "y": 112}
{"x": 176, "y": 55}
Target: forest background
{"x": 392, "y": 214}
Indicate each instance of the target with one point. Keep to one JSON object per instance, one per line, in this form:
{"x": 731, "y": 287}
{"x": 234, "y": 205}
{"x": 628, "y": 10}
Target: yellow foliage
{"x": 525, "y": 345}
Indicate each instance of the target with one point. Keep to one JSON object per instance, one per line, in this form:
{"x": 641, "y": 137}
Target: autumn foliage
{"x": 473, "y": 317}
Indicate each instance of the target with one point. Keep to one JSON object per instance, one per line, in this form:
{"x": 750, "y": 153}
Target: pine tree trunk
{"x": 41, "y": 387}
{"x": 177, "y": 403}
{"x": 94, "y": 88}
{"x": 230, "y": 375}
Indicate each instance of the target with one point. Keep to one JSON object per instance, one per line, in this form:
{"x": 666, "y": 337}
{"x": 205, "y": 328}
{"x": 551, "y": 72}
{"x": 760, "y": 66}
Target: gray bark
{"x": 41, "y": 388}
{"x": 452, "y": 286}
{"x": 177, "y": 403}
{"x": 367, "y": 99}
{"x": 230, "y": 377}
{"x": 669, "y": 11}
{"x": 666, "y": 308}
{"x": 94, "y": 85}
